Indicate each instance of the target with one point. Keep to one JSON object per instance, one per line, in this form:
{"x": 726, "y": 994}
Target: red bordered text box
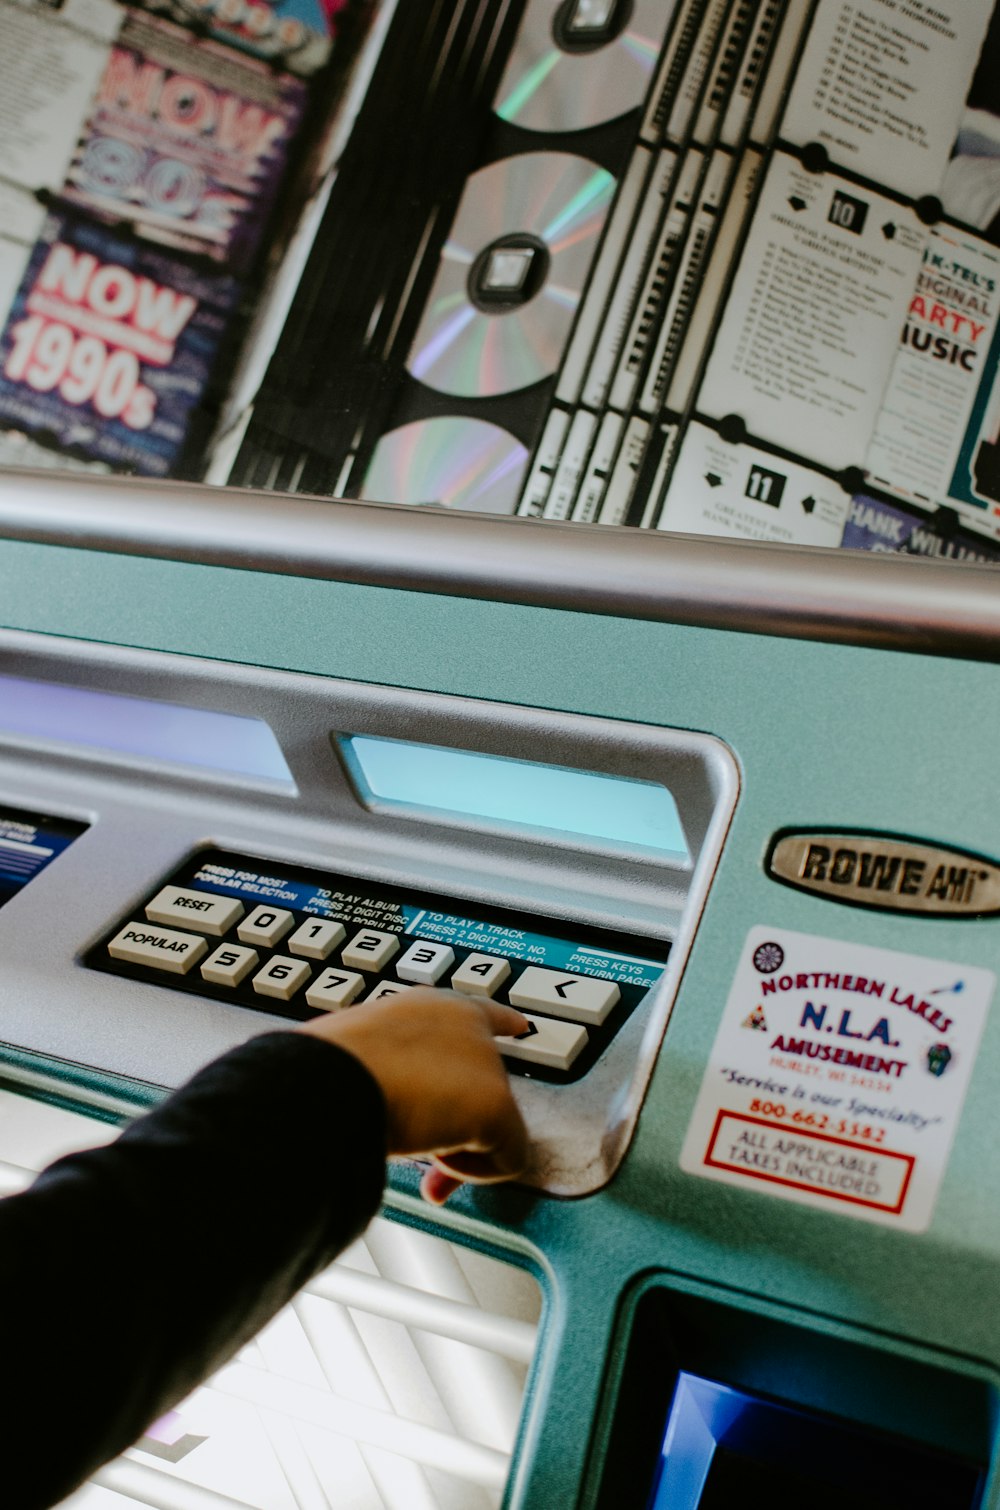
{"x": 800, "y": 1136}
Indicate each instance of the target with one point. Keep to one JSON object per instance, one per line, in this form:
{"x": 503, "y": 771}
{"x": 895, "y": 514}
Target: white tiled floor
{"x": 394, "y": 1382}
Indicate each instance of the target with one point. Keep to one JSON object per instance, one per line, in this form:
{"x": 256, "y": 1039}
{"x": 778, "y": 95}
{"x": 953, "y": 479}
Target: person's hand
{"x": 445, "y": 1087}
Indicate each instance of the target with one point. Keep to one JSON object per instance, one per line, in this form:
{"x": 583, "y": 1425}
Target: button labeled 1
{"x": 580, "y": 998}
{"x": 316, "y": 938}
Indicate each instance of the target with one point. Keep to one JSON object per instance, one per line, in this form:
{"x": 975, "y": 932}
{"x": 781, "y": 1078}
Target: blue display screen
{"x": 587, "y": 808}
{"x": 29, "y": 842}
{"x": 723, "y": 1448}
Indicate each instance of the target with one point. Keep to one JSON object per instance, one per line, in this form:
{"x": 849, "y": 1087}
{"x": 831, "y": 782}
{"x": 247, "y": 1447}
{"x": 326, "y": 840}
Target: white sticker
{"x": 850, "y": 257}
{"x": 50, "y": 63}
{"x": 718, "y": 488}
{"x": 838, "y": 1076}
{"x": 881, "y": 86}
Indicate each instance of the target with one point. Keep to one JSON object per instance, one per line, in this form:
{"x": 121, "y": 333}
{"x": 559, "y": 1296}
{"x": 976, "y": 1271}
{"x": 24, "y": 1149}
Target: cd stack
{"x": 538, "y": 360}
{"x": 647, "y": 262}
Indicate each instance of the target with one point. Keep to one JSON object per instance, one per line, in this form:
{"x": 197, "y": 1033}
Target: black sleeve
{"x": 130, "y": 1272}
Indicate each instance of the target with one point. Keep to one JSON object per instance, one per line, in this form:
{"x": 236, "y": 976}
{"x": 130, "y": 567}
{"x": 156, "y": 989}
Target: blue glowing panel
{"x": 519, "y": 795}
{"x": 29, "y": 842}
{"x": 722, "y": 1447}
{"x": 138, "y": 726}
{"x": 702, "y": 1412}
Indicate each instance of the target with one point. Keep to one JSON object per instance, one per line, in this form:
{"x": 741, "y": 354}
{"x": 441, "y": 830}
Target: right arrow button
{"x": 578, "y": 998}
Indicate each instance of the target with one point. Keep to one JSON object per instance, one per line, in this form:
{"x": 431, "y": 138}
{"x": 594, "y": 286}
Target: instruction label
{"x": 838, "y": 1075}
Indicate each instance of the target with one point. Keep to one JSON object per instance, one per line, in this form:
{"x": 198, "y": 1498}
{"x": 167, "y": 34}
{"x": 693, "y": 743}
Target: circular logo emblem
{"x": 768, "y": 957}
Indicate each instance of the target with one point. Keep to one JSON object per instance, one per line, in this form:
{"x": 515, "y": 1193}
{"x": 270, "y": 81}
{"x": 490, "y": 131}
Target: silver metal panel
{"x": 147, "y": 818}
{"x": 932, "y": 607}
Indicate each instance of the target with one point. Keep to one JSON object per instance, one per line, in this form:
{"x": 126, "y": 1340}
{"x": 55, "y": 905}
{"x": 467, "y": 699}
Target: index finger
{"x": 504, "y": 1022}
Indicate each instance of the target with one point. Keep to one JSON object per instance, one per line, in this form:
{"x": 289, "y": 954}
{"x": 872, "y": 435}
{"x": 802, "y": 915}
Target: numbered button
{"x": 387, "y": 988}
{"x": 266, "y": 926}
{"x": 229, "y": 965}
{"x": 425, "y": 963}
{"x": 370, "y": 950}
{"x": 581, "y": 998}
{"x": 316, "y": 938}
{"x": 480, "y": 975}
{"x": 281, "y": 977}
{"x": 334, "y": 988}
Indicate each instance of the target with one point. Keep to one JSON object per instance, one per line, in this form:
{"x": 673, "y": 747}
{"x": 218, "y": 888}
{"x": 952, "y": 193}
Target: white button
{"x": 160, "y": 948}
{"x": 194, "y": 909}
{"x": 334, "y": 988}
{"x": 387, "y": 988}
{"x": 230, "y": 964}
{"x": 265, "y": 925}
{"x": 554, "y": 1044}
{"x": 480, "y": 975}
{"x": 581, "y": 998}
{"x": 425, "y": 963}
{"x": 281, "y": 977}
{"x": 370, "y": 950}
{"x": 316, "y": 938}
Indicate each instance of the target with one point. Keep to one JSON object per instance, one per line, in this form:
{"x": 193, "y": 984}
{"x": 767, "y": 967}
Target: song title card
{"x": 811, "y": 327}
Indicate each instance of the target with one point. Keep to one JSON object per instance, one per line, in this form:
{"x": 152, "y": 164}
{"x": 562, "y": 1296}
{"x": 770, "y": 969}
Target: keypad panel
{"x": 293, "y": 941}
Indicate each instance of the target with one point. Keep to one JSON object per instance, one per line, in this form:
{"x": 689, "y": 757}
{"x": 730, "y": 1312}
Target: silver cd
{"x": 539, "y": 217}
{"x": 546, "y": 87}
{"x": 452, "y": 461}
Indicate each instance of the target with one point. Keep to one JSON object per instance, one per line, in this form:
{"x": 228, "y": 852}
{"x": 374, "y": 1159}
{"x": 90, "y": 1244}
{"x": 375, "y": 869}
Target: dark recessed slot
{"x": 716, "y": 1407}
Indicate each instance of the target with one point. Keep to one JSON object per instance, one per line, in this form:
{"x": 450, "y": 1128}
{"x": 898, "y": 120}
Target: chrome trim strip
{"x": 851, "y": 597}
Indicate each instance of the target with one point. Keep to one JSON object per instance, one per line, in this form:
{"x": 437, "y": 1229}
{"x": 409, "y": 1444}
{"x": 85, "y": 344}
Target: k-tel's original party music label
{"x": 109, "y": 345}
{"x": 838, "y": 1076}
{"x": 940, "y": 376}
{"x": 579, "y": 64}
{"x": 450, "y": 461}
{"x": 811, "y": 328}
{"x": 511, "y": 274}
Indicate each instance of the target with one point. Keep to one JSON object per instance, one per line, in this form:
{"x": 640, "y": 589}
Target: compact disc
{"x": 511, "y": 274}
{"x": 576, "y": 63}
{"x": 451, "y": 461}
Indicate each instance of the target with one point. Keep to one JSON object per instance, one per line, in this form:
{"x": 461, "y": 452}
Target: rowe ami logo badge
{"x": 890, "y": 874}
